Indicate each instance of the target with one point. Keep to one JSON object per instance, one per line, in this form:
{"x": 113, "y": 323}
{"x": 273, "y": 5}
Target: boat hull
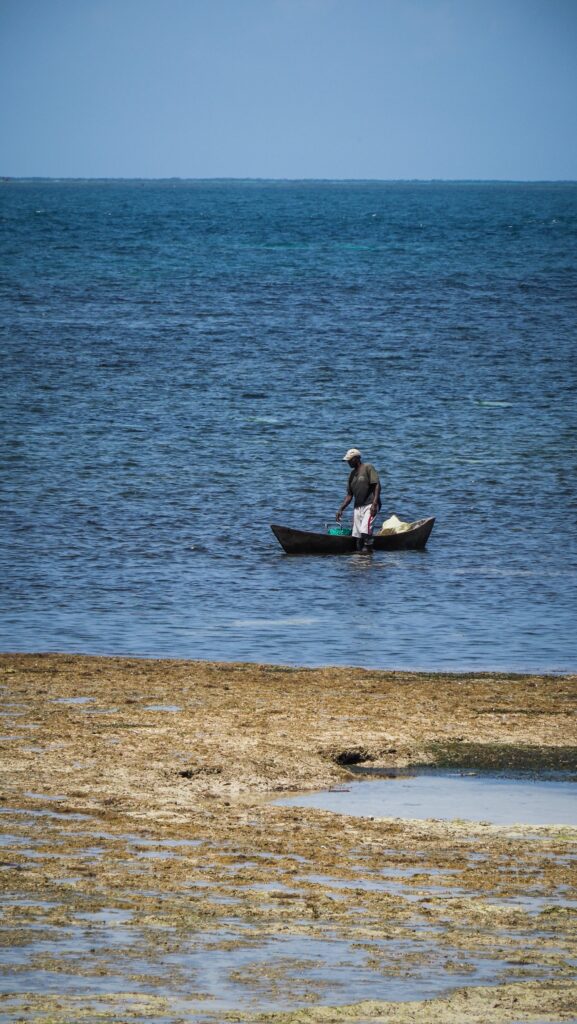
{"x": 303, "y": 542}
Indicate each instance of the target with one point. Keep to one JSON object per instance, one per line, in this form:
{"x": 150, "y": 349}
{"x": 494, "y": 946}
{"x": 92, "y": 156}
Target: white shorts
{"x": 362, "y": 521}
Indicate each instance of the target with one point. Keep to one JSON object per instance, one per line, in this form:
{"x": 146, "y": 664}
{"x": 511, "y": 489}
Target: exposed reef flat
{"x": 147, "y": 873}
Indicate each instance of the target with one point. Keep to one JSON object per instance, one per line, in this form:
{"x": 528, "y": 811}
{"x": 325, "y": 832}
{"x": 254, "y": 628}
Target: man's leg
{"x": 357, "y": 528}
{"x": 367, "y": 527}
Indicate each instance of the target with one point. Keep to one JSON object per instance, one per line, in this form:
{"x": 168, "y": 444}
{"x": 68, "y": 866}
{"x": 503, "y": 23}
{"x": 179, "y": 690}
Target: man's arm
{"x": 346, "y": 501}
{"x": 374, "y": 481}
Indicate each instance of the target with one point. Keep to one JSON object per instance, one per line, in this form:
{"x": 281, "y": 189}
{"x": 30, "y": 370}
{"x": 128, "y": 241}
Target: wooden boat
{"x": 302, "y": 542}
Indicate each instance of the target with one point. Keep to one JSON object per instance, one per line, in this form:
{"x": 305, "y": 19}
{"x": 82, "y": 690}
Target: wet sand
{"x": 147, "y": 873}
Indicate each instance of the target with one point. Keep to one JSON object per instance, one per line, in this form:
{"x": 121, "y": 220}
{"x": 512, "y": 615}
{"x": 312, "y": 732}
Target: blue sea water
{"x": 187, "y": 362}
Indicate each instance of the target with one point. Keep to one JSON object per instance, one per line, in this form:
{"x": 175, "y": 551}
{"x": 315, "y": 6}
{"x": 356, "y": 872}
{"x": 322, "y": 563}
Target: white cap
{"x": 351, "y": 454}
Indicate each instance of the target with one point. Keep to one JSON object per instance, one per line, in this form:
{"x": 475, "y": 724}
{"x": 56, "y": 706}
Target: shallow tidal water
{"x": 76, "y": 944}
{"x": 148, "y": 872}
{"x": 186, "y": 362}
{"x": 498, "y": 800}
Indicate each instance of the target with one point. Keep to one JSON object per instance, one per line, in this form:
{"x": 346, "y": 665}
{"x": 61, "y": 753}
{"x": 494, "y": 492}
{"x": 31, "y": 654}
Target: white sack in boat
{"x": 393, "y": 525}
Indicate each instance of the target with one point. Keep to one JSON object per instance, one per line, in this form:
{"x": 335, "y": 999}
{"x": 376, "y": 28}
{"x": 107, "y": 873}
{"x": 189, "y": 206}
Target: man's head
{"x": 353, "y": 457}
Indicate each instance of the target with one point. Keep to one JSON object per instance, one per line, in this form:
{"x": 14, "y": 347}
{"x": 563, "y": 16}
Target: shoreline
{"x": 141, "y": 792}
{"x": 471, "y": 670}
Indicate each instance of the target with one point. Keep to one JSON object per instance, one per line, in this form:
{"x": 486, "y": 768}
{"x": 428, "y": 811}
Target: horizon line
{"x": 6, "y": 178}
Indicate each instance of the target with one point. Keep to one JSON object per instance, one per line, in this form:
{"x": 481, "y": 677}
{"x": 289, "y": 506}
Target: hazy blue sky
{"x": 289, "y": 88}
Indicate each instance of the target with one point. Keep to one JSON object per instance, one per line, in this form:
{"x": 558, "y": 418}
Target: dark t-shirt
{"x": 362, "y": 482}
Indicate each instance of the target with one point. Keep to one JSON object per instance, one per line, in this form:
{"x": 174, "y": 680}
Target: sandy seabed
{"x": 148, "y": 874}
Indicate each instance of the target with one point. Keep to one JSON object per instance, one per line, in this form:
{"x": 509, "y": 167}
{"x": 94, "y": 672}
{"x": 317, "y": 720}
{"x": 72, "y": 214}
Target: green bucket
{"x": 339, "y": 531}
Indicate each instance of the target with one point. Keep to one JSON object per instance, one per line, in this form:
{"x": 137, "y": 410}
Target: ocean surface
{"x": 184, "y": 363}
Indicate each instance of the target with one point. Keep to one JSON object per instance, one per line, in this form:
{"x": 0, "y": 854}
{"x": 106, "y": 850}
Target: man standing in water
{"x": 365, "y": 487}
